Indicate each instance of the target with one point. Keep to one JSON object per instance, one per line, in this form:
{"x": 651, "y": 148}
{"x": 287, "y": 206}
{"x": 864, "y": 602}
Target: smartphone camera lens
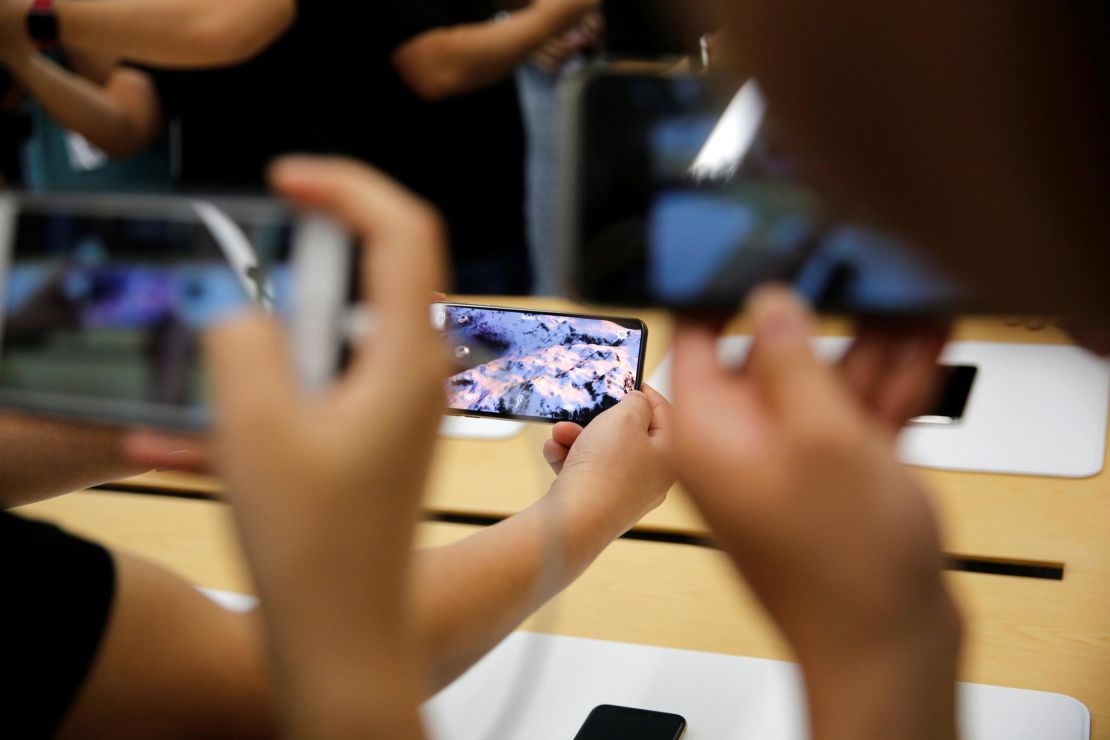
{"x": 462, "y": 320}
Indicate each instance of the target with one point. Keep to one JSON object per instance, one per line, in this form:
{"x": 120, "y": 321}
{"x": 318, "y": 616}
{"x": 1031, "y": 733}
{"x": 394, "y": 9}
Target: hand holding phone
{"x": 333, "y": 482}
{"x": 104, "y": 298}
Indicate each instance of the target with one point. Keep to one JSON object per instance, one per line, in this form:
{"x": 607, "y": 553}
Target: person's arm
{"x": 471, "y": 594}
{"x": 453, "y": 60}
{"x": 172, "y": 33}
{"x": 122, "y": 116}
{"x": 44, "y": 458}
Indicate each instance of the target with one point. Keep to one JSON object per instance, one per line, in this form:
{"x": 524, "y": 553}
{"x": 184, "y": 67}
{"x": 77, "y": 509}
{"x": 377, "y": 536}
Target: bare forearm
{"x": 175, "y": 33}
{"x": 451, "y": 61}
{"x": 472, "y": 594}
{"x": 43, "y": 458}
{"x": 121, "y": 117}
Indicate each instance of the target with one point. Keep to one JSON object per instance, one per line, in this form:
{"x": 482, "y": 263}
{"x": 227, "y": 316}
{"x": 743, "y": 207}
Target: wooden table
{"x": 1033, "y": 633}
{"x": 1027, "y": 633}
{"x": 1012, "y": 518}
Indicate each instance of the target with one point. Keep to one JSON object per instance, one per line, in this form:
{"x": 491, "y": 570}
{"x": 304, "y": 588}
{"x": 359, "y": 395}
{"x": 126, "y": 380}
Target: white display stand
{"x": 1034, "y": 409}
{"x": 542, "y": 687}
{"x": 551, "y": 683}
{"x": 463, "y": 427}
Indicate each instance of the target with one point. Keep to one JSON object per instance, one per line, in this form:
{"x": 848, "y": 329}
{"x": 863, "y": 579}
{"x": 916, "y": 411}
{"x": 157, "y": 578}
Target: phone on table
{"x": 949, "y": 404}
{"x": 538, "y": 365}
{"x": 675, "y": 194}
{"x": 103, "y": 298}
{"x": 610, "y": 722}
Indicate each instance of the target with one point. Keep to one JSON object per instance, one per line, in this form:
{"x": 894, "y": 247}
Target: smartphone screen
{"x": 539, "y": 366}
{"x": 104, "y": 312}
{"x": 682, "y": 198}
{"x": 609, "y": 722}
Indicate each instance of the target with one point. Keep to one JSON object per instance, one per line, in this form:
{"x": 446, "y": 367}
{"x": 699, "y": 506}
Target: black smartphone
{"x": 953, "y": 393}
{"x": 675, "y": 195}
{"x": 539, "y": 365}
{"x": 610, "y": 722}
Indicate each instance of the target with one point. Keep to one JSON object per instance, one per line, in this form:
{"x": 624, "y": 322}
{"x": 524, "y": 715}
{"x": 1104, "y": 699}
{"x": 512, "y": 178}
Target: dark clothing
{"x": 227, "y": 124}
{"x": 59, "y": 592}
{"x": 465, "y": 154}
{"x": 329, "y": 85}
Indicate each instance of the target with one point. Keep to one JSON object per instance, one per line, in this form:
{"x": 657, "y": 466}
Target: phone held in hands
{"x": 610, "y": 722}
{"x": 677, "y": 193}
{"x": 103, "y": 298}
{"x": 538, "y": 365}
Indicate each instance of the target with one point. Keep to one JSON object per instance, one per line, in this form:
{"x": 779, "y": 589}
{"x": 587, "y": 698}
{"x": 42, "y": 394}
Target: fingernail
{"x": 779, "y": 316}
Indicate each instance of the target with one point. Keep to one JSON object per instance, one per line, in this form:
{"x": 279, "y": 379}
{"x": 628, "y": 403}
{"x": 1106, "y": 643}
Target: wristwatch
{"x": 42, "y": 23}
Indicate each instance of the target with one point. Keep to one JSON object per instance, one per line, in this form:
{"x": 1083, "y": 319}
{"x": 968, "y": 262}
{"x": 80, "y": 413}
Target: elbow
{"x": 429, "y": 69}
{"x": 121, "y": 142}
{"x": 433, "y": 84}
{"x": 117, "y": 146}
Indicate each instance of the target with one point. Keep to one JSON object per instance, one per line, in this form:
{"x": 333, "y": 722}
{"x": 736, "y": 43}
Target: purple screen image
{"x": 539, "y": 366}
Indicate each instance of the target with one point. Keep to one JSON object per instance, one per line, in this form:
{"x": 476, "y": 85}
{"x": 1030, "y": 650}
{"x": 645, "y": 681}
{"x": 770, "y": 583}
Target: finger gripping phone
{"x": 610, "y": 722}
{"x": 538, "y": 365}
{"x": 104, "y": 298}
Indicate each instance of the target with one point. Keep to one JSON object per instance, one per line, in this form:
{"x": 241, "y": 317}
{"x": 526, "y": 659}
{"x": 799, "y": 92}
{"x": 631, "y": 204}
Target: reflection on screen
{"x": 687, "y": 201}
{"x": 729, "y": 213}
{"x": 539, "y": 366}
{"x": 112, "y": 308}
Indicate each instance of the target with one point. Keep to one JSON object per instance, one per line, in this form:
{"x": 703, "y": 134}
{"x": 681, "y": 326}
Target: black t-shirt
{"x": 328, "y": 85}
{"x": 466, "y": 154}
{"x": 59, "y": 592}
{"x": 226, "y": 124}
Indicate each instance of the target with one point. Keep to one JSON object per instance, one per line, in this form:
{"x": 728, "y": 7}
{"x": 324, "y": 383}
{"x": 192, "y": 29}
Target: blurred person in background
{"x": 422, "y": 90}
{"x": 453, "y": 105}
{"x": 89, "y": 105}
{"x": 538, "y": 81}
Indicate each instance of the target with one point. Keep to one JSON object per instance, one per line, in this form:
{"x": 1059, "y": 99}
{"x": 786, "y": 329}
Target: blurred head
{"x": 977, "y": 129}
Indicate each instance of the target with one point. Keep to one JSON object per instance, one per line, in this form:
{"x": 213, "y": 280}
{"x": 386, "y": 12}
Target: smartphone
{"x": 610, "y": 722}
{"x": 676, "y": 195}
{"x": 103, "y": 298}
{"x": 538, "y": 365}
{"x": 950, "y": 402}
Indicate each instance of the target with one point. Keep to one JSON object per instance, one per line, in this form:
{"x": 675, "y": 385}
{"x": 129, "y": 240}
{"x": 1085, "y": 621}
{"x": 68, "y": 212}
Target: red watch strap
{"x": 41, "y": 6}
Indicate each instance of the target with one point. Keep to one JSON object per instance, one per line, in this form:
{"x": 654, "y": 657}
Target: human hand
{"x": 798, "y": 479}
{"x": 326, "y": 490}
{"x": 557, "y": 50}
{"x": 620, "y": 461}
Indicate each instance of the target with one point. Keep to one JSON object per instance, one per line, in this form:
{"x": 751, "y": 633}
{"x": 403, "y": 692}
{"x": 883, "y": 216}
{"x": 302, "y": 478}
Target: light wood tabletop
{"x": 1022, "y": 632}
{"x": 1005, "y": 517}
